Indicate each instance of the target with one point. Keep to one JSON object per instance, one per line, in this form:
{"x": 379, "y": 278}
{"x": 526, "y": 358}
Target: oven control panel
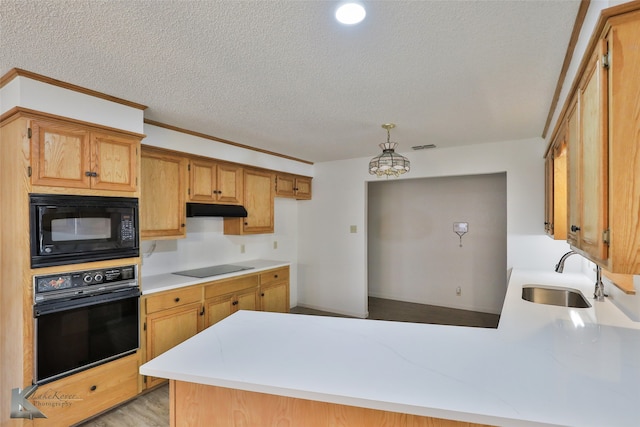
{"x": 79, "y": 282}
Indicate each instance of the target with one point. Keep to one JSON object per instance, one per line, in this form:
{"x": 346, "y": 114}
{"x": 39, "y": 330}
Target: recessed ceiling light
{"x": 350, "y": 13}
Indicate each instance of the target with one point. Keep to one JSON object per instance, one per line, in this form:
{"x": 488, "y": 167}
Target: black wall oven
{"x": 68, "y": 229}
{"x": 83, "y": 319}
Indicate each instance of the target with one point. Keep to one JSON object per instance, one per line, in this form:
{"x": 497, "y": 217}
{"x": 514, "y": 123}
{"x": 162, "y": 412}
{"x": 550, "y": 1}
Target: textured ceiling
{"x": 285, "y": 76}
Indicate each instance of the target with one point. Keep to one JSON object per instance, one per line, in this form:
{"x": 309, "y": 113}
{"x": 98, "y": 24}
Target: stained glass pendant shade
{"x": 389, "y": 163}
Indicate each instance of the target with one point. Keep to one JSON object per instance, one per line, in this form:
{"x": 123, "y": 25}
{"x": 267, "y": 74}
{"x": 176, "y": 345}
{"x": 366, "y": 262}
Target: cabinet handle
{"x": 202, "y": 312}
{"x": 181, "y": 225}
{"x": 177, "y": 299}
{"x": 235, "y": 303}
{"x": 575, "y": 228}
{"x": 547, "y": 223}
{"x": 89, "y": 173}
{"x": 93, "y": 388}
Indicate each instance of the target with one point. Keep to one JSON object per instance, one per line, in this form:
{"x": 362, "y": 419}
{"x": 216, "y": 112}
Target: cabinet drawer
{"x": 173, "y": 299}
{"x": 80, "y": 396}
{"x": 228, "y": 286}
{"x": 276, "y": 275}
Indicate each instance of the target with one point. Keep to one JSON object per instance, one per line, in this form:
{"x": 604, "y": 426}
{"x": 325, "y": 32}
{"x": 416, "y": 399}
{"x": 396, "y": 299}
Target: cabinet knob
{"x": 275, "y": 276}
{"x": 575, "y": 228}
{"x": 177, "y": 299}
{"x": 89, "y": 173}
{"x": 235, "y": 303}
{"x": 181, "y": 225}
{"x": 246, "y": 223}
{"x": 93, "y": 388}
{"x": 262, "y": 294}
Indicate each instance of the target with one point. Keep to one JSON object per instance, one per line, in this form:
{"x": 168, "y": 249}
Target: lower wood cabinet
{"x": 225, "y": 297}
{"x": 72, "y": 399}
{"x": 174, "y": 316}
{"x": 274, "y": 290}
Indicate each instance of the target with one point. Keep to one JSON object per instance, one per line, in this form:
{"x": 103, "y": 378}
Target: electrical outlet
{"x": 275, "y": 244}
{"x": 458, "y": 291}
{"x": 241, "y": 249}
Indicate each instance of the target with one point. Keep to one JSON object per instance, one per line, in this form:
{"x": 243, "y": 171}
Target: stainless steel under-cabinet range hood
{"x": 204, "y": 209}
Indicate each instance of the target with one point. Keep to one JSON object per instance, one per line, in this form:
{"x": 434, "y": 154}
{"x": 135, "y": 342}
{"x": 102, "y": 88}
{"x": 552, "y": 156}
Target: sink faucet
{"x": 598, "y": 293}
{"x": 560, "y": 264}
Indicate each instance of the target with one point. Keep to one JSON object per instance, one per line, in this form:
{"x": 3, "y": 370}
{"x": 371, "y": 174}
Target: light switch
{"x": 354, "y": 228}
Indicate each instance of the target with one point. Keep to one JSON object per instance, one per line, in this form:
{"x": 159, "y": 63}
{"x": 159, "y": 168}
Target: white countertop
{"x": 168, "y": 281}
{"x": 537, "y": 368}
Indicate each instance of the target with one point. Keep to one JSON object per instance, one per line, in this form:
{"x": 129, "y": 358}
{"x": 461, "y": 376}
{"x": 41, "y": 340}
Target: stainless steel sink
{"x": 552, "y": 295}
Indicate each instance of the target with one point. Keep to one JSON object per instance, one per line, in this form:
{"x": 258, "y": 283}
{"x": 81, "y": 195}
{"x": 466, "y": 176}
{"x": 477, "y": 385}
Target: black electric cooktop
{"x": 214, "y": 270}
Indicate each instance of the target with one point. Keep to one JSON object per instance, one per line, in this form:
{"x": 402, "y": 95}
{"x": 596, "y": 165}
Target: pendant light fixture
{"x": 389, "y": 163}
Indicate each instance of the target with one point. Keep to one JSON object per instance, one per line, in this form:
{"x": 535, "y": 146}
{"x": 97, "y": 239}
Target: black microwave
{"x": 68, "y": 229}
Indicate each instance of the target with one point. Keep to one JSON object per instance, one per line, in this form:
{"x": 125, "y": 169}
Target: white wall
{"x": 39, "y": 96}
{"x": 414, "y": 254}
{"x": 332, "y": 262}
{"x": 206, "y": 245}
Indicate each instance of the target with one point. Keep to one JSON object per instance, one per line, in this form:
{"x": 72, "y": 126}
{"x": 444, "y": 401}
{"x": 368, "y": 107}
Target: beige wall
{"x": 414, "y": 254}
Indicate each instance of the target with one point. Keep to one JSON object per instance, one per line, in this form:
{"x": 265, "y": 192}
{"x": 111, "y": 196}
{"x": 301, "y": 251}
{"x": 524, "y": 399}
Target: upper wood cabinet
{"x": 591, "y": 218}
{"x": 623, "y": 153}
{"x": 555, "y": 222}
{"x": 258, "y": 200}
{"x": 214, "y": 182}
{"x": 292, "y": 186}
{"x": 162, "y": 195}
{"x": 74, "y": 156}
{"x": 603, "y": 134}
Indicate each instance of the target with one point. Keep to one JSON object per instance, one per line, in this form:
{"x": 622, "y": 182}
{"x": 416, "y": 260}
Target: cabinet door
{"x": 82, "y": 395}
{"x": 594, "y": 173}
{"x": 303, "y": 188}
{"x": 624, "y": 148}
{"x": 560, "y": 192}
{"x": 258, "y": 200}
{"x": 218, "y": 308}
{"x": 162, "y": 188}
{"x": 168, "y": 328}
{"x": 202, "y": 175}
{"x": 229, "y": 184}
{"x": 285, "y": 185}
{"x": 60, "y": 155}
{"x": 114, "y": 162}
{"x": 247, "y": 300}
{"x": 275, "y": 297}
{"x": 548, "y": 194}
{"x": 574, "y": 159}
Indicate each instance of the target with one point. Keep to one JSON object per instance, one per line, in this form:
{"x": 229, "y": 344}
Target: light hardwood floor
{"x": 152, "y": 409}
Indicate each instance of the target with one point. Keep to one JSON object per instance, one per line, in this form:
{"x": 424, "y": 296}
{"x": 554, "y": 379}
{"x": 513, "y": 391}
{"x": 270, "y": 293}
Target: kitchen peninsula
{"x": 544, "y": 365}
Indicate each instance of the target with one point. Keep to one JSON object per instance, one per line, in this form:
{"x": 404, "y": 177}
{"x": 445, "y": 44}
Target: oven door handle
{"x": 67, "y": 304}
